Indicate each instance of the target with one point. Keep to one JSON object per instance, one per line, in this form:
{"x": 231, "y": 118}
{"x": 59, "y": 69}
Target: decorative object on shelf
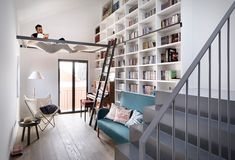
{"x": 35, "y": 75}
{"x": 170, "y": 55}
{"x": 149, "y": 89}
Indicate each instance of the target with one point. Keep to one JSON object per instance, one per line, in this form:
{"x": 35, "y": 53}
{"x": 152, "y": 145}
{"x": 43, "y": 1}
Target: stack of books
{"x": 170, "y": 55}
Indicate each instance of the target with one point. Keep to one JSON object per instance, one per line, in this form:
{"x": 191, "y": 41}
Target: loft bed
{"x": 54, "y": 46}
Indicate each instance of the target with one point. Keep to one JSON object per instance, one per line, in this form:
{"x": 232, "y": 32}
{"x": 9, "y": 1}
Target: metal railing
{"x": 185, "y": 82}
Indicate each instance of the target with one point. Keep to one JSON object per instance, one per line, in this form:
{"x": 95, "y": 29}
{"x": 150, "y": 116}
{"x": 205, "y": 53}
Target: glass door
{"x": 72, "y": 84}
{"x": 80, "y": 83}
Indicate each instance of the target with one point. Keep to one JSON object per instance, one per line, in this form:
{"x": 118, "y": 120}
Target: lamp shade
{"x": 36, "y": 75}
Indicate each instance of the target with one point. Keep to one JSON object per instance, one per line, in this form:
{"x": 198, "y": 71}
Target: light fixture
{"x": 35, "y": 75}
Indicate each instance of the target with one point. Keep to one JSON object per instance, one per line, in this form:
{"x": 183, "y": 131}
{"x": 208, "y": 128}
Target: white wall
{"x": 199, "y": 21}
{"x": 47, "y": 64}
{"x": 74, "y": 20}
{"x": 8, "y": 53}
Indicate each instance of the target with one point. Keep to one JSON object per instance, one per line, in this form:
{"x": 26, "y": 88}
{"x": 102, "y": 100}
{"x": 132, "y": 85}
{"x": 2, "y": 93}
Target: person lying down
{"x": 52, "y": 47}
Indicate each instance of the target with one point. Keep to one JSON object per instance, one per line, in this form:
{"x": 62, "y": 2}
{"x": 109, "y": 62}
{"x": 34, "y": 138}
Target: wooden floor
{"x": 71, "y": 139}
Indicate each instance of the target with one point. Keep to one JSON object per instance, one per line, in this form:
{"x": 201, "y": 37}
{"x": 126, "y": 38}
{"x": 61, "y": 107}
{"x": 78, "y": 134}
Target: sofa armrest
{"x": 102, "y": 113}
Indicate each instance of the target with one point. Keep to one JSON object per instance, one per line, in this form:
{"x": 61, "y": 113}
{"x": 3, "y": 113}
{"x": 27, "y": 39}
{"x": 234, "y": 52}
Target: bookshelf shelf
{"x": 147, "y": 50}
{"x": 168, "y": 63}
{"x": 168, "y": 81}
{"x": 135, "y": 33}
{"x": 148, "y": 19}
{"x": 148, "y": 4}
{"x": 176, "y": 44}
{"x": 170, "y": 10}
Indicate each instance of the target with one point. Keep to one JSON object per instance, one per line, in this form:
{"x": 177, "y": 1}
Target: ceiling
{"x": 29, "y": 10}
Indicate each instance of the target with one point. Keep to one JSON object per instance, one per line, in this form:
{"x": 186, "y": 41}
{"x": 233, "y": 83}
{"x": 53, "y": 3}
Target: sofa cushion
{"x": 116, "y": 131}
{"x": 136, "y": 118}
{"x": 112, "y": 112}
{"x": 122, "y": 115}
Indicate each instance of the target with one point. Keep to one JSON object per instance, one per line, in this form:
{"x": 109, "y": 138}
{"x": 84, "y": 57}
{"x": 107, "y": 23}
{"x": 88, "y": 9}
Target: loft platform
{"x": 54, "y": 46}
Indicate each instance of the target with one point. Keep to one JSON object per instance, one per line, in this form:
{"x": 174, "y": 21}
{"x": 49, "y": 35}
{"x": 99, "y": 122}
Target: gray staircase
{"x": 189, "y": 125}
{"x": 130, "y": 151}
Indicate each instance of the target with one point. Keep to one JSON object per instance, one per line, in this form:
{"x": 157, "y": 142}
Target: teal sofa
{"x": 119, "y": 133}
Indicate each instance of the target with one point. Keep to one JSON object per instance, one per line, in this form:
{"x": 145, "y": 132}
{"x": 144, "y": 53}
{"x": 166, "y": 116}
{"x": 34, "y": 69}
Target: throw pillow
{"x": 48, "y": 109}
{"x": 136, "y": 118}
{"x": 122, "y": 115}
{"x": 112, "y": 112}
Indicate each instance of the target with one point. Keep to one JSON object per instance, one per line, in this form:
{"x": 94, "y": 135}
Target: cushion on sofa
{"x": 136, "y": 118}
{"x": 116, "y": 131}
{"x": 122, "y": 115}
{"x": 112, "y": 112}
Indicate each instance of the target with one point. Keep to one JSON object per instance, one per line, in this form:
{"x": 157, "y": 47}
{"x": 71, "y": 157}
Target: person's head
{"x": 39, "y": 28}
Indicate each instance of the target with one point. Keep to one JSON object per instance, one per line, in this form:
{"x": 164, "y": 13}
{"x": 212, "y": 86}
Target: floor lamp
{"x": 35, "y": 75}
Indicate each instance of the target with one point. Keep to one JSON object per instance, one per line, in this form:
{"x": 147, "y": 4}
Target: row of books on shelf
{"x": 101, "y": 55}
{"x": 149, "y": 13}
{"x": 133, "y": 8}
{"x": 133, "y": 75}
{"x": 133, "y": 34}
{"x": 169, "y": 3}
{"x": 170, "y": 55}
{"x": 133, "y": 87}
{"x": 133, "y": 47}
{"x": 120, "y": 39}
{"x": 147, "y": 30}
{"x": 149, "y": 89}
{"x": 171, "y": 20}
{"x": 121, "y": 74}
{"x": 149, "y": 44}
{"x": 133, "y": 61}
{"x": 121, "y": 86}
{"x": 176, "y": 37}
{"x": 149, "y": 75}
{"x": 169, "y": 75}
{"x": 133, "y": 21}
{"x": 120, "y": 51}
{"x": 100, "y": 64}
{"x": 149, "y": 59}
{"x": 121, "y": 63}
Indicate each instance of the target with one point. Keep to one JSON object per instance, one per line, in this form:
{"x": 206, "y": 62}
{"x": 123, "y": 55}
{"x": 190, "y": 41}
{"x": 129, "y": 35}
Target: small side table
{"x": 29, "y": 125}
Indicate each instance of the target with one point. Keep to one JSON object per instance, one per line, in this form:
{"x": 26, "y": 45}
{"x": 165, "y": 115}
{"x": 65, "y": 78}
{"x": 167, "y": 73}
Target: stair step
{"x": 128, "y": 152}
{"x": 166, "y": 145}
{"x": 166, "y": 126}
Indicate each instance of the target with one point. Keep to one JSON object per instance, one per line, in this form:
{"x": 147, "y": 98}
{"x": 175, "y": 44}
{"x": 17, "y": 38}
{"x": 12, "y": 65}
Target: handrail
{"x": 181, "y": 83}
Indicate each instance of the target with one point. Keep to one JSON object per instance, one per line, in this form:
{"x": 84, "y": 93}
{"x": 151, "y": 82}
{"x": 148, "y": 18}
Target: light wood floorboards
{"x": 71, "y": 139}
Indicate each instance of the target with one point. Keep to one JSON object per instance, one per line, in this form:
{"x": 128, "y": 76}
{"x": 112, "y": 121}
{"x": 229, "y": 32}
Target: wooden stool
{"x": 29, "y": 125}
{"x": 87, "y": 103}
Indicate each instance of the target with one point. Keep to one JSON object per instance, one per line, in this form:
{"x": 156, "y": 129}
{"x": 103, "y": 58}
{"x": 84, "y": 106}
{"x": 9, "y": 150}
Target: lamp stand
{"x": 34, "y": 92}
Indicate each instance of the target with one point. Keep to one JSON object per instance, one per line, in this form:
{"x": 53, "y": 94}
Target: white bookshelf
{"x": 138, "y": 29}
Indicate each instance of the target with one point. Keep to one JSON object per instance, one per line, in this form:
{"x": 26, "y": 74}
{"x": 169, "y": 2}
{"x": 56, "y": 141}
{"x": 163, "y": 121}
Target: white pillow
{"x": 136, "y": 118}
{"x": 112, "y": 111}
